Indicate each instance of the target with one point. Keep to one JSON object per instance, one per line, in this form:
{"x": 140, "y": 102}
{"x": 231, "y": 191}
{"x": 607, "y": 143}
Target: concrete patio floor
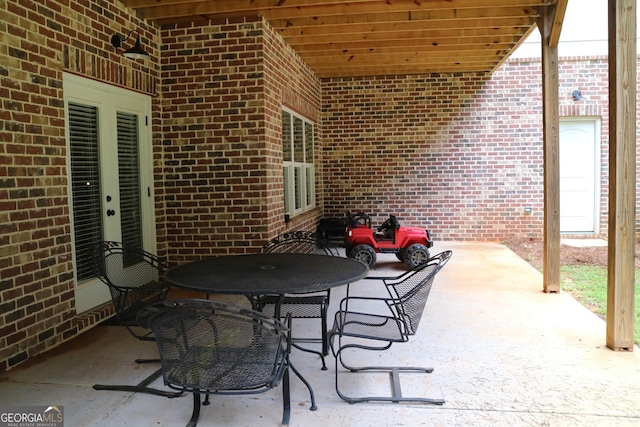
{"x": 504, "y": 353}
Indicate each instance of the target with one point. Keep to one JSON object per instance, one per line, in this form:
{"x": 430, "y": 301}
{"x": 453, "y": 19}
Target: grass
{"x": 588, "y": 284}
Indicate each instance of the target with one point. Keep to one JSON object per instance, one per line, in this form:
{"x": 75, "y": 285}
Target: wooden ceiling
{"x": 376, "y": 37}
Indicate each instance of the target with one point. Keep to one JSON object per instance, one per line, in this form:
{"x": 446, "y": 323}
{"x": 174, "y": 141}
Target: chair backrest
{"x": 409, "y": 294}
{"x": 222, "y": 348}
{"x": 132, "y": 274}
{"x": 301, "y": 242}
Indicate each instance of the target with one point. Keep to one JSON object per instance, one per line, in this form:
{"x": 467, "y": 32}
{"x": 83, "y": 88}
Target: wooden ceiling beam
{"x": 158, "y": 9}
{"x": 419, "y": 37}
{"x": 556, "y": 26}
{"x": 403, "y": 44}
{"x": 374, "y": 7}
{"x": 364, "y": 29}
{"x": 226, "y": 6}
{"x": 333, "y": 72}
{"x": 452, "y": 67}
{"x": 474, "y": 15}
{"x": 393, "y": 58}
{"x": 186, "y": 8}
{"x": 394, "y": 46}
{"x": 229, "y": 5}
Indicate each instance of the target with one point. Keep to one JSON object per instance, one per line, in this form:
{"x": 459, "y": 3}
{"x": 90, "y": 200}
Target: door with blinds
{"x": 110, "y": 175}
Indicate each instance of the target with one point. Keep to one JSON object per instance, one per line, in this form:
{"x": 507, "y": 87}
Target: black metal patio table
{"x": 262, "y": 274}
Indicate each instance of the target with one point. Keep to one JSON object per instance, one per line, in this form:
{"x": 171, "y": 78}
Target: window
{"x": 85, "y": 176}
{"x": 297, "y": 164}
{"x": 129, "y": 179}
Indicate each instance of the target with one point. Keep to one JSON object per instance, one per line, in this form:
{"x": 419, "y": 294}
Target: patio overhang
{"x": 378, "y": 37}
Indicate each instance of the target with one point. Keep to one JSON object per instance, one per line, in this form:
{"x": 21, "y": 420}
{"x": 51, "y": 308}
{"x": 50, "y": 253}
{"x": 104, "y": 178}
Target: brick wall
{"x": 590, "y": 76}
{"x": 457, "y": 153}
{"x": 216, "y": 118}
{"x": 223, "y": 89}
{"x": 290, "y": 83}
{"x": 40, "y": 40}
{"x": 460, "y": 154}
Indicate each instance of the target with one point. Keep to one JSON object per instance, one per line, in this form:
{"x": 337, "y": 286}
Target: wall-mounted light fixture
{"x": 577, "y": 96}
{"x": 135, "y": 52}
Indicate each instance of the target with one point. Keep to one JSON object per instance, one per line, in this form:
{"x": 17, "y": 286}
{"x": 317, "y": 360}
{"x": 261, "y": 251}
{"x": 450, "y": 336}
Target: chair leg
{"x": 394, "y": 373}
{"x": 196, "y": 410}
{"x": 141, "y": 387}
{"x": 306, "y": 383}
{"x": 147, "y": 336}
{"x": 325, "y": 334}
{"x": 286, "y": 399}
{"x": 324, "y": 340}
{"x": 147, "y": 360}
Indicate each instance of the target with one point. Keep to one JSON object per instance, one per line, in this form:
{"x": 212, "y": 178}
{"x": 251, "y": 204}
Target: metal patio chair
{"x": 134, "y": 278}
{"x": 301, "y": 306}
{"x": 383, "y": 322}
{"x": 209, "y": 347}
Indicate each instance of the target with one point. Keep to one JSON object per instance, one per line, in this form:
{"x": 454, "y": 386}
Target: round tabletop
{"x": 260, "y": 274}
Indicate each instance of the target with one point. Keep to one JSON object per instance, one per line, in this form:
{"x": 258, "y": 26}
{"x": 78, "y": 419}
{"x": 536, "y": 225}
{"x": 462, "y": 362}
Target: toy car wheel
{"x": 365, "y": 254}
{"x": 416, "y": 254}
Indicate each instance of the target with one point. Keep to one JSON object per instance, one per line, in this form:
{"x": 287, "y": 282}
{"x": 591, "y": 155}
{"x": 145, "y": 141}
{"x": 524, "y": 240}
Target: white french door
{"x": 579, "y": 175}
{"x": 110, "y": 175}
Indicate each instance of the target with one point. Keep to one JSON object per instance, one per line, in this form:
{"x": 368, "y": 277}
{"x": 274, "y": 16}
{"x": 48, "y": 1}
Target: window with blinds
{"x": 297, "y": 159}
{"x": 129, "y": 182}
{"x": 85, "y": 182}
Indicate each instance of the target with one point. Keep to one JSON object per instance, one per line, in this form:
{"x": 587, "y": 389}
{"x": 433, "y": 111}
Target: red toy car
{"x": 410, "y": 244}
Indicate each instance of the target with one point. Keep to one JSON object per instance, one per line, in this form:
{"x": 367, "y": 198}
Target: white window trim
{"x": 306, "y": 190}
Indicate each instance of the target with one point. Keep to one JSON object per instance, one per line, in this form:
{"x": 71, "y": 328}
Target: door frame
{"x": 92, "y": 292}
{"x": 596, "y": 122}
